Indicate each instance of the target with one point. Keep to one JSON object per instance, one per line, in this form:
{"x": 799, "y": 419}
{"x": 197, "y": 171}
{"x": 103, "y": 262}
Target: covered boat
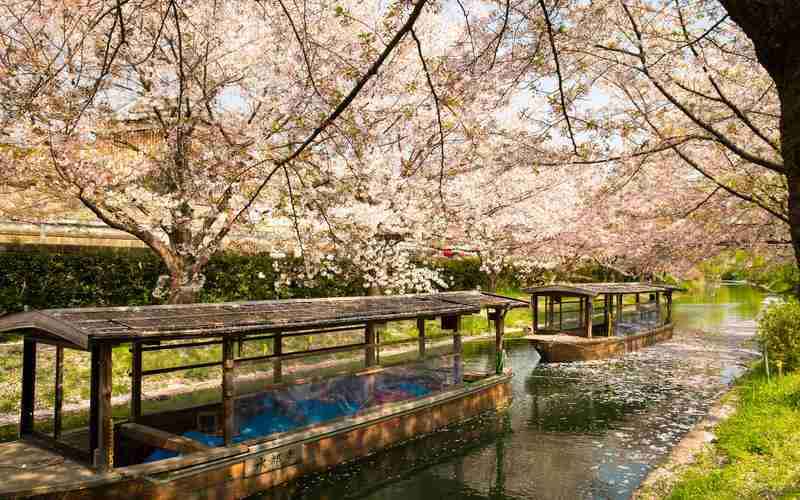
{"x": 302, "y": 385}
{"x": 587, "y": 321}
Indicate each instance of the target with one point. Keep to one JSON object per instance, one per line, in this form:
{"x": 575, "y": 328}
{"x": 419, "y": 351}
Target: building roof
{"x": 594, "y": 289}
{"x": 80, "y": 327}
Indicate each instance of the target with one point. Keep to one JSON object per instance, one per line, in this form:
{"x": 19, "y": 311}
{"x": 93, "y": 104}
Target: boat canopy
{"x": 595, "y": 289}
{"x": 78, "y": 328}
{"x": 268, "y": 356}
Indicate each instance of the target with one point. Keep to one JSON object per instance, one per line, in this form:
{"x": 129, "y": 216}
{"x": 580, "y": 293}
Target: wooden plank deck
{"x": 25, "y": 466}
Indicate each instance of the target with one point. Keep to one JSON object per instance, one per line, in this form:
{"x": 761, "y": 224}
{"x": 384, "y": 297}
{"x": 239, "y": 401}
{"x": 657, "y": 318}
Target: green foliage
{"x": 779, "y": 333}
{"x": 42, "y": 280}
{"x": 742, "y": 265}
{"x": 252, "y": 277}
{"x": 464, "y": 273}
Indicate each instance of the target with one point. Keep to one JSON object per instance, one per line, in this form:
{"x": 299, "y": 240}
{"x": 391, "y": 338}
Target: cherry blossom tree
{"x": 692, "y": 93}
{"x": 174, "y": 121}
{"x": 504, "y": 210}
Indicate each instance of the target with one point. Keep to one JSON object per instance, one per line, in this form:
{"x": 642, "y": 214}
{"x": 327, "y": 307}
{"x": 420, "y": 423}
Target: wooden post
{"x": 378, "y": 329}
{"x": 552, "y": 313}
{"x": 561, "y": 313}
{"x": 535, "y": 312}
{"x": 658, "y": 306}
{"x": 228, "y": 392}
{"x": 458, "y": 369}
{"x": 28, "y": 387}
{"x": 589, "y": 314}
{"x": 370, "y": 340}
{"x": 669, "y": 307}
{"x": 546, "y": 311}
{"x": 421, "y": 330}
{"x": 607, "y": 313}
{"x": 620, "y": 308}
{"x": 499, "y": 332}
{"x": 101, "y": 425}
{"x": 94, "y": 377}
{"x": 581, "y": 321}
{"x": 277, "y": 365}
{"x": 136, "y": 381}
{"x": 638, "y": 308}
{"x": 59, "y": 395}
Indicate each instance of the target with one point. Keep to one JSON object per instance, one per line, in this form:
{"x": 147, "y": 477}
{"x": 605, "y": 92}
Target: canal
{"x": 585, "y": 430}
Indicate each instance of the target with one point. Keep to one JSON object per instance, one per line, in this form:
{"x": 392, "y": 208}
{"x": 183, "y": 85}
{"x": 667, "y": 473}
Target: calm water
{"x": 583, "y": 430}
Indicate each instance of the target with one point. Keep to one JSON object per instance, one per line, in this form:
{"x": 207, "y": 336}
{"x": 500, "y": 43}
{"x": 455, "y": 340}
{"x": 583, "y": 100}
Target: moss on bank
{"x": 757, "y": 451}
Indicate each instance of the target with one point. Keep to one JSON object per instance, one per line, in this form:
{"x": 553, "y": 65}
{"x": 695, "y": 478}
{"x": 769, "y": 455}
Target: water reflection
{"x": 583, "y": 430}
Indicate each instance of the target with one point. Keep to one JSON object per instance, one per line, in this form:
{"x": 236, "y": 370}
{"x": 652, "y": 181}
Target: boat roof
{"x": 483, "y": 299}
{"x": 79, "y": 327}
{"x": 594, "y": 289}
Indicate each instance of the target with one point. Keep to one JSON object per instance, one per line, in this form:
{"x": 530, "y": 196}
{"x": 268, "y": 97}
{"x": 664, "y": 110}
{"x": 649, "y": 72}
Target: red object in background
{"x": 447, "y": 252}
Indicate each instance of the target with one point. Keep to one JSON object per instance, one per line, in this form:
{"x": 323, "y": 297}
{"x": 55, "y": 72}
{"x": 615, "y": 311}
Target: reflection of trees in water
{"x": 416, "y": 458}
{"x": 563, "y": 405}
{"x": 714, "y": 306}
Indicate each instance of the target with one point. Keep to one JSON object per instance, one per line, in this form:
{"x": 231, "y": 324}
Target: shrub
{"x": 779, "y": 333}
{"x": 43, "y": 280}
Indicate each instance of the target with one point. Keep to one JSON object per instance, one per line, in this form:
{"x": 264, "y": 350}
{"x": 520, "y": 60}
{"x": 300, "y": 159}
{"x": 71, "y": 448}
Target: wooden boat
{"x": 589, "y": 321}
{"x": 254, "y": 437}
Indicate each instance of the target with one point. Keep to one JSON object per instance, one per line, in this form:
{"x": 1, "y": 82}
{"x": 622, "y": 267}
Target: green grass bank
{"x": 757, "y": 449}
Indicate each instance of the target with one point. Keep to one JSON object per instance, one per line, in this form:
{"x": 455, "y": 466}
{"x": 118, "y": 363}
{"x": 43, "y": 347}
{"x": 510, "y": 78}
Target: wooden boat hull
{"x": 243, "y": 470}
{"x": 570, "y": 348}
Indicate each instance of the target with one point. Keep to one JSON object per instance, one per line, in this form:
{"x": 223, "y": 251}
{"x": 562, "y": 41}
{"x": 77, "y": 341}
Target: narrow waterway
{"x": 583, "y": 430}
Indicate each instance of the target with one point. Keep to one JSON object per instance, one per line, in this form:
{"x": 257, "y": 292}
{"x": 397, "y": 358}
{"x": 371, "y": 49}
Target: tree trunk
{"x": 492, "y": 282}
{"x": 185, "y": 280}
{"x": 790, "y": 143}
{"x": 772, "y": 25}
{"x": 789, "y": 92}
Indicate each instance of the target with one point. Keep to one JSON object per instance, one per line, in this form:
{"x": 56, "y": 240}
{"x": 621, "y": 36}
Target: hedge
{"x": 40, "y": 279}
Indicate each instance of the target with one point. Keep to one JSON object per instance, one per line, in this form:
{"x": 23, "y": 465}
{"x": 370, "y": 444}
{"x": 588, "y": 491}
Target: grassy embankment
{"x": 77, "y": 367}
{"x": 757, "y": 452}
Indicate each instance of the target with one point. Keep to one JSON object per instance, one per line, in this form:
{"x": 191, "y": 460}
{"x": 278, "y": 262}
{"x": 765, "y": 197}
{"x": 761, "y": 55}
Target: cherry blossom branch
{"x": 557, "y": 62}
{"x": 340, "y": 108}
{"x": 722, "y": 139}
{"x": 302, "y": 49}
{"x": 438, "y": 113}
{"x": 722, "y": 97}
{"x": 496, "y": 40}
